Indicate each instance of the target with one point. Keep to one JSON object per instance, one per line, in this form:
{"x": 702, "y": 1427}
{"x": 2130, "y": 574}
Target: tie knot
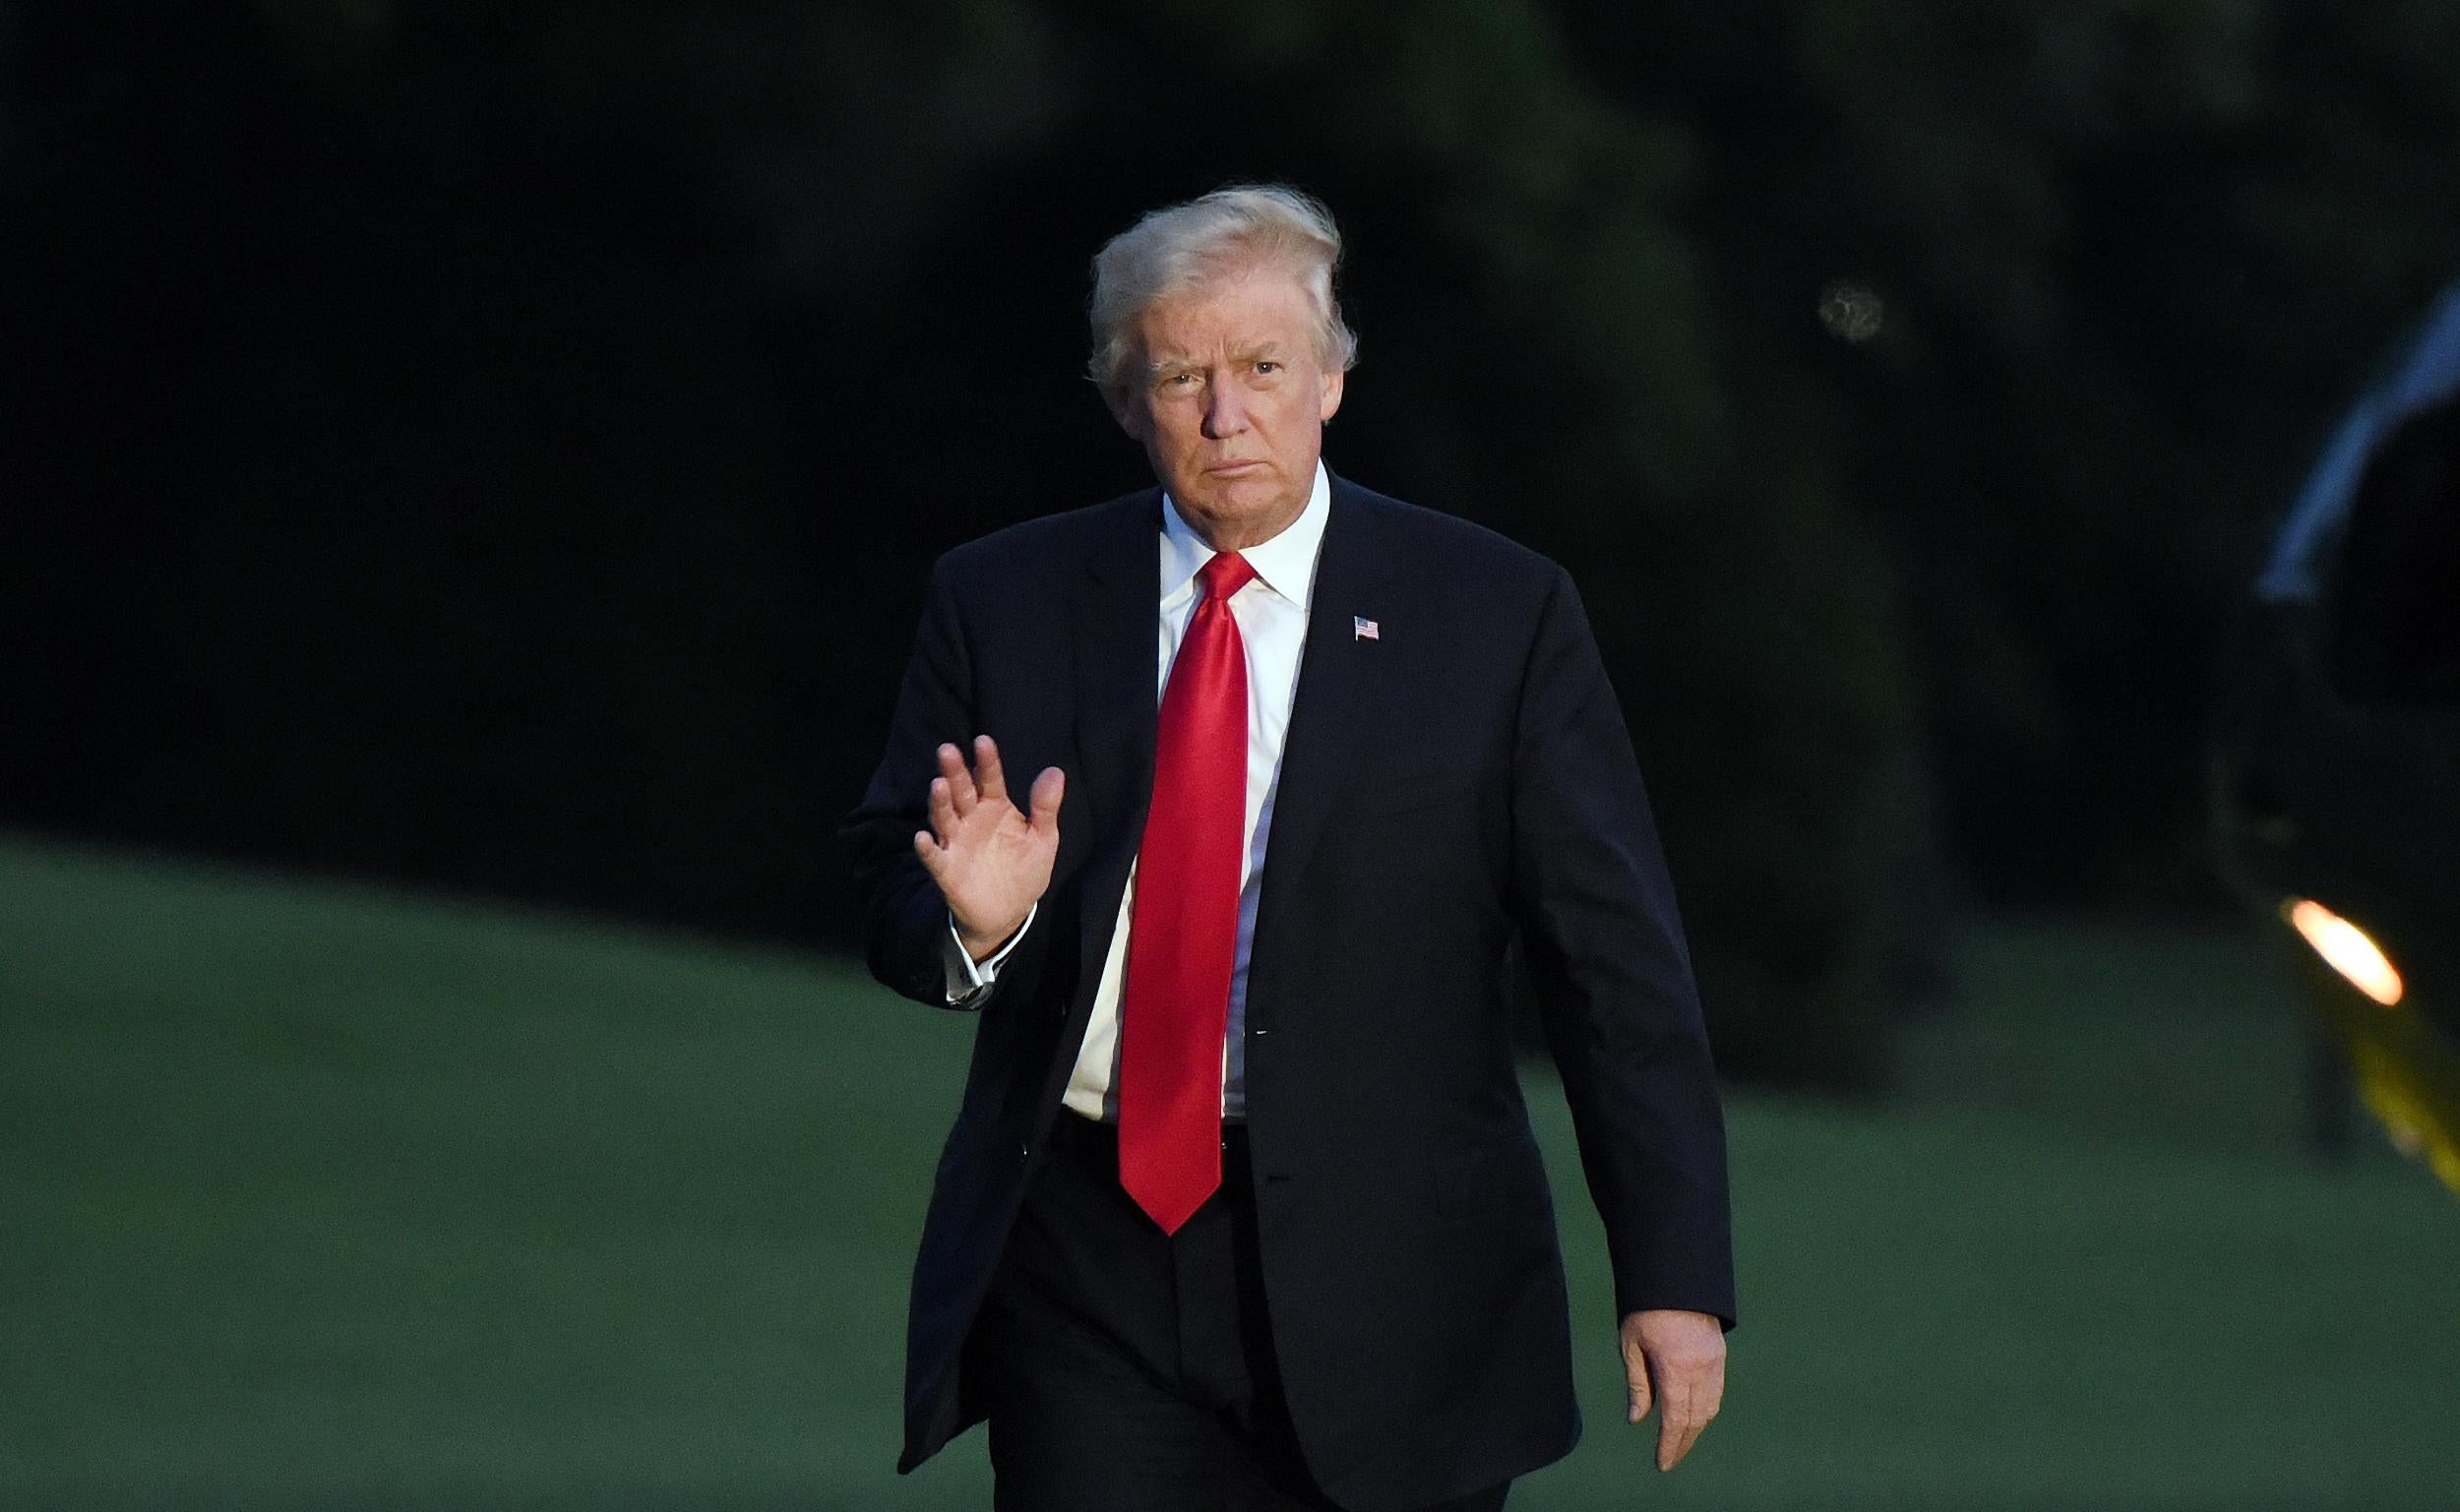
{"x": 1226, "y": 574}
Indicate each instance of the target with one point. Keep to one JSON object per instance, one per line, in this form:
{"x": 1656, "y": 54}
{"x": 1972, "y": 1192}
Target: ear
{"x": 1332, "y": 400}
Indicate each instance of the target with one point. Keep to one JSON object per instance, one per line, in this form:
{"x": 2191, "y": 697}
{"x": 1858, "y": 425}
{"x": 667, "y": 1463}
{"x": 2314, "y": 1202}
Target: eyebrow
{"x": 1267, "y": 351}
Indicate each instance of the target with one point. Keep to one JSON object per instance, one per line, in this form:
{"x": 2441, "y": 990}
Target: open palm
{"x": 990, "y": 860}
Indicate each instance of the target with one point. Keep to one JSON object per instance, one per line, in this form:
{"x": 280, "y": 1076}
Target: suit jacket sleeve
{"x": 1614, "y": 979}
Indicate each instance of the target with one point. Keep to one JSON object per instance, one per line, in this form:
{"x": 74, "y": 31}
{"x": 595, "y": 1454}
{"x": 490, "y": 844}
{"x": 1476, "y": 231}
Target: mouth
{"x": 1242, "y": 464}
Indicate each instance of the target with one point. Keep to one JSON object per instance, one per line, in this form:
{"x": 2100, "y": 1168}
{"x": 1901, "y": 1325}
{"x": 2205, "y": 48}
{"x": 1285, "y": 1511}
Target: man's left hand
{"x": 1677, "y": 1360}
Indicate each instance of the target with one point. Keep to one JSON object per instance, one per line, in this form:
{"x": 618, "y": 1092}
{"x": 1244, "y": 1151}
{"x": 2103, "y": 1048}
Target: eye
{"x": 1267, "y": 366}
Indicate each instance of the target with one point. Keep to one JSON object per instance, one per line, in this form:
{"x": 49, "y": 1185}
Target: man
{"x": 1242, "y": 1206}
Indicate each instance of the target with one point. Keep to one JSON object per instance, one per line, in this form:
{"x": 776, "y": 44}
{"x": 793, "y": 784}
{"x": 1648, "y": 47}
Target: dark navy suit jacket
{"x": 1459, "y": 782}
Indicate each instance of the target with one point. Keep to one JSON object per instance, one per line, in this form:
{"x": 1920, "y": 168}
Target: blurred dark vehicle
{"x": 2336, "y": 753}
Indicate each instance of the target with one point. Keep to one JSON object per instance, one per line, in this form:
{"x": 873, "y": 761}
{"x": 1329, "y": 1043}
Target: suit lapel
{"x": 1336, "y": 687}
{"x": 1112, "y": 646}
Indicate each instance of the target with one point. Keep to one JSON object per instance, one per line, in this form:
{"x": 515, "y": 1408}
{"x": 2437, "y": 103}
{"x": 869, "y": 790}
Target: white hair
{"x": 1234, "y": 230}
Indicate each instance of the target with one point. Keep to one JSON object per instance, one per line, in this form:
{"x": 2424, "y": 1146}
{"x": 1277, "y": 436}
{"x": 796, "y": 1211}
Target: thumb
{"x": 1047, "y": 789}
{"x": 1635, "y": 1376}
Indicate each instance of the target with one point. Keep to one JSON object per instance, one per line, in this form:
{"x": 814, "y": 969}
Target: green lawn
{"x": 316, "y": 1195}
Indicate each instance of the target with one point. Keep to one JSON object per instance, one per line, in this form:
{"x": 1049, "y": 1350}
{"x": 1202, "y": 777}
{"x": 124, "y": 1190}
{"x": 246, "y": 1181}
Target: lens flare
{"x": 2346, "y": 948}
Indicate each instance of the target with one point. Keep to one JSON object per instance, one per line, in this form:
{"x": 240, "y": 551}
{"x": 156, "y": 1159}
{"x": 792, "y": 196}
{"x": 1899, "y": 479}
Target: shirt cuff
{"x": 968, "y": 981}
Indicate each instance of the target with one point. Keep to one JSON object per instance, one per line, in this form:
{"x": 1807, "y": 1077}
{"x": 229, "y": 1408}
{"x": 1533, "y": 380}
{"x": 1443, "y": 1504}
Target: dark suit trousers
{"x": 1123, "y": 1369}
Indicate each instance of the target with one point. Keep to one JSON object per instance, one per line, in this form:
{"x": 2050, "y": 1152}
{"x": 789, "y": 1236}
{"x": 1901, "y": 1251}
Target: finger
{"x": 934, "y": 860}
{"x": 943, "y": 810}
{"x": 1635, "y": 1378}
{"x": 1047, "y": 789}
{"x": 1692, "y": 1424}
{"x": 1686, "y": 1411}
{"x": 960, "y": 782}
{"x": 1676, "y": 1428}
{"x": 989, "y": 776}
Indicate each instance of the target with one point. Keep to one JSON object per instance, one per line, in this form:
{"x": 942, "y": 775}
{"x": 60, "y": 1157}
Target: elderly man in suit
{"x": 1242, "y": 1208}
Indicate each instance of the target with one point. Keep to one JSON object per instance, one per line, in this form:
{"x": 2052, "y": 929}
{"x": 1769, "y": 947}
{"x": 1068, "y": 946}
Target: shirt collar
{"x": 1287, "y": 564}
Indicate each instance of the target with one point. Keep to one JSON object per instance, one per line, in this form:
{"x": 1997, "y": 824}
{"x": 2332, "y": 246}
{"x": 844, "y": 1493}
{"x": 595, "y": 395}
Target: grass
{"x": 316, "y": 1195}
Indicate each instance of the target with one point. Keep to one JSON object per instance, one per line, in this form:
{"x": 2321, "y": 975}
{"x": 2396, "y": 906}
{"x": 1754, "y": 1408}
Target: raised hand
{"x": 990, "y": 861}
{"x": 1677, "y": 1358}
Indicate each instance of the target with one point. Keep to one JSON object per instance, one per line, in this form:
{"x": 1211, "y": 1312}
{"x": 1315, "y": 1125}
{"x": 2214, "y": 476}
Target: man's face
{"x": 1230, "y": 403}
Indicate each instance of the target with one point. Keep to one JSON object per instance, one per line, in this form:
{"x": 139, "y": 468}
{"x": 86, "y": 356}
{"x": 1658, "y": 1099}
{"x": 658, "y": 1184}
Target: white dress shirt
{"x": 1271, "y": 614}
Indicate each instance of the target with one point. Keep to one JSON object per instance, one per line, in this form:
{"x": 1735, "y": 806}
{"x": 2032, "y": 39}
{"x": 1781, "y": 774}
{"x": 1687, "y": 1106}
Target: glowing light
{"x": 2346, "y": 948}
{"x": 1851, "y": 311}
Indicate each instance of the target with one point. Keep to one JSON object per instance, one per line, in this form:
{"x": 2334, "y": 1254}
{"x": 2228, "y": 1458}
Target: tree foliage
{"x": 497, "y": 443}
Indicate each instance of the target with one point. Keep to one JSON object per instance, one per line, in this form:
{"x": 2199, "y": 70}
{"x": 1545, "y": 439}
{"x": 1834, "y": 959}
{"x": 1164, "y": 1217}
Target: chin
{"x": 1234, "y": 503}
{"x": 1251, "y": 494}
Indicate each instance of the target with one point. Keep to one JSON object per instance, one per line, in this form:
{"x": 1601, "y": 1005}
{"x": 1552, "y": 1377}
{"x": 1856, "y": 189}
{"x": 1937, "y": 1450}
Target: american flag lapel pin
{"x": 1363, "y": 629}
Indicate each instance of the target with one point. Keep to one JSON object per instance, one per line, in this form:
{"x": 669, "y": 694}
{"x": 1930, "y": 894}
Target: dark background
{"x": 496, "y": 445}
{"x": 466, "y": 476}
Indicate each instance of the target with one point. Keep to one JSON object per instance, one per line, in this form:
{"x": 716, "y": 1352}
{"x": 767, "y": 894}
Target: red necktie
{"x": 1183, "y": 930}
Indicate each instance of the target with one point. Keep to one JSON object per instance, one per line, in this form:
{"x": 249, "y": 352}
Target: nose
{"x": 1225, "y": 407}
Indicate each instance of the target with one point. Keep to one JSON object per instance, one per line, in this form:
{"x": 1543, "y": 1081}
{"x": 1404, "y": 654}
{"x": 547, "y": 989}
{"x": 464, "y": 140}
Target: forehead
{"x": 1256, "y": 308}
